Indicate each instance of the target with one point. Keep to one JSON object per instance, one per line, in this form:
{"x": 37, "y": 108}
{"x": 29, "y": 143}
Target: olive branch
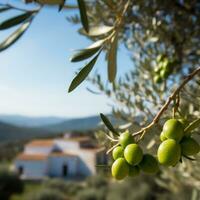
{"x": 171, "y": 98}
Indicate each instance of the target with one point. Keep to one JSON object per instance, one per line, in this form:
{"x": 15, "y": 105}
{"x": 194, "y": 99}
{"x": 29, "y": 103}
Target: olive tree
{"x": 163, "y": 40}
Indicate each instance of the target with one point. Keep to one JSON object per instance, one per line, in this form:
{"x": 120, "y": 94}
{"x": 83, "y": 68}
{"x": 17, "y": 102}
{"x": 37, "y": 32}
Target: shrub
{"x": 69, "y": 188}
{"x": 91, "y": 194}
{"x": 47, "y": 194}
{"x": 9, "y": 183}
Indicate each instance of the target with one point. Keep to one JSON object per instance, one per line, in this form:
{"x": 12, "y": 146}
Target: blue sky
{"x": 35, "y": 72}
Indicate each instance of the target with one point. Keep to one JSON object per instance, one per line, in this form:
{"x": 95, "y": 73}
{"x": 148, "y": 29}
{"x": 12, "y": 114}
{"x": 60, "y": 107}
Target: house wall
{"x": 56, "y": 164}
{"x": 38, "y": 150}
{"x": 87, "y": 161}
{"x": 33, "y": 169}
{"x": 68, "y": 146}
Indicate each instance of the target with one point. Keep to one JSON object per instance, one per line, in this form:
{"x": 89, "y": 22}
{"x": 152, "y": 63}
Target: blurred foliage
{"x": 47, "y": 194}
{"x": 9, "y": 183}
{"x": 100, "y": 188}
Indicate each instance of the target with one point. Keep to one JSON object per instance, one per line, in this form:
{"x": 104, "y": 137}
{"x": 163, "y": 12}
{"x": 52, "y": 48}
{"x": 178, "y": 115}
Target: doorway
{"x": 20, "y": 170}
{"x": 65, "y": 170}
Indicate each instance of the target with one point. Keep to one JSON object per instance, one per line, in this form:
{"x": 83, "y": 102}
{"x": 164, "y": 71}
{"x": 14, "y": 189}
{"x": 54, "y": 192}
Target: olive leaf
{"x": 100, "y": 30}
{"x": 195, "y": 124}
{"x": 15, "y": 20}
{"x": 4, "y": 9}
{"x": 81, "y": 76}
{"x": 108, "y": 124}
{"x": 14, "y": 36}
{"x": 87, "y": 52}
{"x": 61, "y": 5}
{"x": 83, "y": 14}
{"x": 112, "y": 59}
{"x": 84, "y": 54}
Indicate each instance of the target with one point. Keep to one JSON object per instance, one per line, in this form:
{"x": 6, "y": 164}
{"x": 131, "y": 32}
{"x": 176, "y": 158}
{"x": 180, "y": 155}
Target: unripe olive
{"x": 169, "y": 152}
{"x": 125, "y": 139}
{"x": 173, "y": 129}
{"x": 164, "y": 74}
{"x": 133, "y": 171}
{"x": 118, "y": 152}
{"x": 149, "y": 164}
{"x": 157, "y": 79}
{"x": 120, "y": 169}
{"x": 133, "y": 154}
{"x": 189, "y": 146}
{"x": 159, "y": 58}
{"x": 162, "y": 136}
{"x": 157, "y": 69}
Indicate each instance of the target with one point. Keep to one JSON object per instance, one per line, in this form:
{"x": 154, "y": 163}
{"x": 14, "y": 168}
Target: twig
{"x": 167, "y": 103}
{"x": 109, "y": 150}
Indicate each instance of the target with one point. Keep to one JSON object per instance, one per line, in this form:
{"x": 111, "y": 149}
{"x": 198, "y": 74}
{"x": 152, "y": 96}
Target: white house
{"x": 67, "y": 157}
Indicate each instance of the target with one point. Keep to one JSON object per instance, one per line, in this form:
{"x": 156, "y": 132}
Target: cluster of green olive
{"x": 175, "y": 143}
{"x": 163, "y": 69}
{"x": 129, "y": 159}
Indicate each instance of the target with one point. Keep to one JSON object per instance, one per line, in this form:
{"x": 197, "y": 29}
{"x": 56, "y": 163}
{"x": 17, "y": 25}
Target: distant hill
{"x": 78, "y": 124}
{"x": 16, "y": 130}
{"x": 13, "y": 133}
{"x": 25, "y": 121}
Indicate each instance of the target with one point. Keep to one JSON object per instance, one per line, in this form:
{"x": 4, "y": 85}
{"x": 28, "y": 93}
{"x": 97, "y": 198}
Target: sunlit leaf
{"x": 83, "y": 14}
{"x": 100, "y": 30}
{"x": 15, "y": 36}
{"x": 112, "y": 59}
{"x": 87, "y": 52}
{"x": 15, "y": 20}
{"x": 82, "y": 75}
{"x": 195, "y": 124}
{"x": 108, "y": 124}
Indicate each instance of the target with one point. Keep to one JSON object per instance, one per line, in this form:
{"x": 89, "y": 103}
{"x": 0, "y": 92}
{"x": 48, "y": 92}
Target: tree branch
{"x": 167, "y": 103}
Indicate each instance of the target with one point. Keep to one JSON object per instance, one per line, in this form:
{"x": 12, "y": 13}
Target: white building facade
{"x": 73, "y": 157}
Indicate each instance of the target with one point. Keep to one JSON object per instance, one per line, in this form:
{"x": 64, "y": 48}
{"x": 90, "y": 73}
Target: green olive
{"x": 169, "y": 152}
{"x": 125, "y": 139}
{"x": 173, "y": 129}
{"x": 118, "y": 152}
{"x": 133, "y": 154}
{"x": 149, "y": 164}
{"x": 189, "y": 146}
{"x": 120, "y": 169}
{"x": 133, "y": 171}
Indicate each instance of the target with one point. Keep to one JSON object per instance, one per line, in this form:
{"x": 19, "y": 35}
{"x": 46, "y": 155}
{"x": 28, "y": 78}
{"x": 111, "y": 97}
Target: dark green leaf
{"x": 195, "y": 124}
{"x": 83, "y": 14}
{"x": 81, "y": 76}
{"x": 15, "y": 36}
{"x": 4, "y": 9}
{"x": 84, "y": 54}
{"x": 112, "y": 59}
{"x": 61, "y": 5}
{"x": 15, "y": 21}
{"x": 108, "y": 124}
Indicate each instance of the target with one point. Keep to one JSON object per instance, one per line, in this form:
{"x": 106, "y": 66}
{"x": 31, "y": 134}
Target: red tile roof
{"x": 24, "y": 156}
{"x": 41, "y": 143}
